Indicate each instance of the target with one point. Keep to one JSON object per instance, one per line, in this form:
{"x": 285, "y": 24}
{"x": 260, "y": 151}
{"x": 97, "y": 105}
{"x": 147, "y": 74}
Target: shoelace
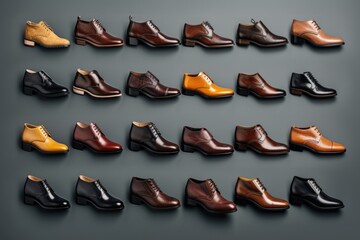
{"x": 154, "y": 130}
{"x": 153, "y": 185}
{"x": 44, "y": 132}
{"x": 315, "y": 25}
{"x": 48, "y": 189}
{"x": 47, "y": 27}
{"x": 208, "y": 25}
{"x": 101, "y": 189}
{"x": 153, "y": 26}
{"x": 45, "y": 77}
{"x": 314, "y": 185}
{"x": 152, "y": 76}
{"x": 99, "y": 25}
{"x": 262, "y": 130}
{"x": 317, "y": 130}
{"x": 207, "y": 78}
{"x": 213, "y": 186}
{"x": 313, "y": 79}
{"x": 253, "y": 21}
{"x": 260, "y": 185}
{"x": 96, "y": 129}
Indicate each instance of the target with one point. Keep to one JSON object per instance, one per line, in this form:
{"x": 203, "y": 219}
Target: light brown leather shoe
{"x": 311, "y": 138}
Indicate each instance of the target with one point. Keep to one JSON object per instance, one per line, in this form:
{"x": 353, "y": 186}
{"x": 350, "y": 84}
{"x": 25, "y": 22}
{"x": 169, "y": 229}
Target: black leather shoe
{"x": 306, "y": 83}
{"x": 305, "y": 190}
{"x": 38, "y": 191}
{"x": 92, "y": 191}
{"x": 42, "y": 84}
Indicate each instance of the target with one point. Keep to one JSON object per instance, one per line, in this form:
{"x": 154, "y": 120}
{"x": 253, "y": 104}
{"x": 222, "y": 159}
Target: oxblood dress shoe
{"x": 149, "y": 85}
{"x": 90, "y": 136}
{"x": 201, "y": 140}
{"x": 94, "y": 33}
{"x": 205, "y": 194}
{"x": 257, "y": 139}
{"x": 310, "y": 31}
{"x": 147, "y": 136}
{"x": 204, "y": 35}
{"x": 254, "y": 84}
{"x": 42, "y": 84}
{"x": 306, "y": 190}
{"x": 94, "y": 85}
{"x": 38, "y": 191}
{"x": 148, "y": 192}
{"x": 257, "y": 33}
{"x": 307, "y": 84}
{"x": 251, "y": 190}
{"x": 310, "y": 138}
{"x": 92, "y": 191}
{"x": 148, "y": 33}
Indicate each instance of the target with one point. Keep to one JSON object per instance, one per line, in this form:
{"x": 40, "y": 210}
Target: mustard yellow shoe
{"x": 37, "y": 137}
{"x": 42, "y": 34}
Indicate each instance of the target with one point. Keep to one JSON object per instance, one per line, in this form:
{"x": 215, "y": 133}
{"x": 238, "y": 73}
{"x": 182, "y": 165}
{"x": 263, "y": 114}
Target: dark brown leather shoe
{"x": 94, "y": 33}
{"x": 205, "y": 194}
{"x": 148, "y": 192}
{"x": 94, "y": 85}
{"x": 147, "y": 136}
{"x": 204, "y": 35}
{"x": 201, "y": 140}
{"x": 90, "y": 136}
{"x": 256, "y": 138}
{"x": 257, "y": 86}
{"x": 148, "y": 33}
{"x": 149, "y": 85}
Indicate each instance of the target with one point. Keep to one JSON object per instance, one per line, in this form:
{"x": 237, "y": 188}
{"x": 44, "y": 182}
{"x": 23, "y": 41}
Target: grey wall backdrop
{"x": 337, "y": 118}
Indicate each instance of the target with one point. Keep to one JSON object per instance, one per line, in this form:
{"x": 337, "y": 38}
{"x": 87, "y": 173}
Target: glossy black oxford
{"x": 38, "y": 191}
{"x": 306, "y": 190}
{"x": 41, "y": 83}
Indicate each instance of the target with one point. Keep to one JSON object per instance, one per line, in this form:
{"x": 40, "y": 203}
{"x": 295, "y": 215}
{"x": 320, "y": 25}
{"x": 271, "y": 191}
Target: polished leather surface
{"x": 90, "y": 136}
{"x": 206, "y": 194}
{"x": 37, "y": 190}
{"x": 308, "y": 191}
{"x": 147, "y": 191}
{"x": 200, "y": 139}
{"x": 257, "y": 139}
{"x": 311, "y": 138}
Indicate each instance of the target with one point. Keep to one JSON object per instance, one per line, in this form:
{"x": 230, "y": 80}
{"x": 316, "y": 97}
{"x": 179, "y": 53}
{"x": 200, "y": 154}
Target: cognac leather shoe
{"x": 94, "y": 85}
{"x": 90, "y": 136}
{"x": 94, "y": 33}
{"x": 149, "y": 85}
{"x": 148, "y": 192}
{"x": 307, "y": 84}
{"x": 310, "y": 138}
{"x": 201, "y": 140}
{"x": 257, "y": 86}
{"x": 147, "y": 136}
{"x": 42, "y": 84}
{"x": 205, "y": 194}
{"x": 92, "y": 191}
{"x": 251, "y": 190}
{"x": 38, "y": 191}
{"x": 257, "y": 33}
{"x": 257, "y": 139}
{"x": 310, "y": 31}
{"x": 201, "y": 84}
{"x": 37, "y": 137}
{"x": 204, "y": 35}
{"x": 306, "y": 190}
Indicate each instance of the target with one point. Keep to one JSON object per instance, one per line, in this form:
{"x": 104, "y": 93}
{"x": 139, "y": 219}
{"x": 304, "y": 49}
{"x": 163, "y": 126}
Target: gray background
{"x": 337, "y": 119}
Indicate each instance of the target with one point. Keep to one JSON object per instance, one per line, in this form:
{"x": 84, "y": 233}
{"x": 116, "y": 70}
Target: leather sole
{"x": 245, "y": 92}
{"x": 193, "y": 203}
{"x": 295, "y": 200}
{"x": 300, "y": 41}
{"x": 188, "y": 148}
{"x": 133, "y": 41}
{"x": 82, "y": 91}
{"x": 192, "y": 43}
{"x": 192, "y": 93}
{"x": 31, "y": 43}
{"x": 299, "y": 92}
{"x": 136, "y": 92}
{"x": 81, "y": 146}
{"x": 246, "y": 42}
{"x": 31, "y": 91}
{"x": 134, "y": 199}
{"x": 85, "y": 201}
{"x": 82, "y": 42}
{"x": 300, "y": 148}
{"x": 243, "y": 201}
{"x": 32, "y": 201}
{"x": 29, "y": 148}
{"x": 133, "y": 146}
{"x": 243, "y": 147}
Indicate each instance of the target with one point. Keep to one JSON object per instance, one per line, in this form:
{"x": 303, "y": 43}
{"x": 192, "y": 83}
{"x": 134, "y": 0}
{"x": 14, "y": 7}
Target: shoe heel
{"x": 81, "y": 200}
{"x": 296, "y": 40}
{"x": 26, "y": 146}
{"x": 133, "y": 146}
{"x": 77, "y": 145}
{"x": 295, "y": 92}
{"x": 190, "y": 202}
{"x": 188, "y": 43}
{"x": 296, "y": 147}
{"x": 78, "y": 91}
{"x": 29, "y": 43}
{"x": 243, "y": 42}
{"x": 29, "y": 200}
{"x": 187, "y": 92}
{"x": 132, "y": 92}
{"x": 187, "y": 148}
{"x": 132, "y": 41}
{"x": 80, "y": 42}
{"x": 135, "y": 200}
{"x": 295, "y": 200}
{"x": 240, "y": 146}
{"x": 28, "y": 91}
{"x": 243, "y": 92}
{"x": 240, "y": 201}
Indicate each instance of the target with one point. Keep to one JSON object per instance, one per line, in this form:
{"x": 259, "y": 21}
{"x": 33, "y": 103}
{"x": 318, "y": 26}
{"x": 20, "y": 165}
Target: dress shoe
{"x": 148, "y": 33}
{"x": 257, "y": 33}
{"x": 257, "y": 86}
{"x": 310, "y": 138}
{"x": 149, "y": 85}
{"x": 90, "y": 136}
{"x": 42, "y": 84}
{"x": 92, "y": 191}
{"x": 307, "y": 84}
{"x": 251, "y": 190}
{"x": 42, "y": 34}
{"x": 201, "y": 140}
{"x": 204, "y": 35}
{"x": 94, "y": 85}
{"x": 147, "y": 136}
{"x": 148, "y": 192}
{"x": 306, "y": 190}
{"x": 37, "y": 137}
{"x": 205, "y": 194}
{"x": 257, "y": 139}
{"x": 201, "y": 84}
{"x": 94, "y": 33}
{"x": 38, "y": 191}
{"x": 310, "y": 31}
